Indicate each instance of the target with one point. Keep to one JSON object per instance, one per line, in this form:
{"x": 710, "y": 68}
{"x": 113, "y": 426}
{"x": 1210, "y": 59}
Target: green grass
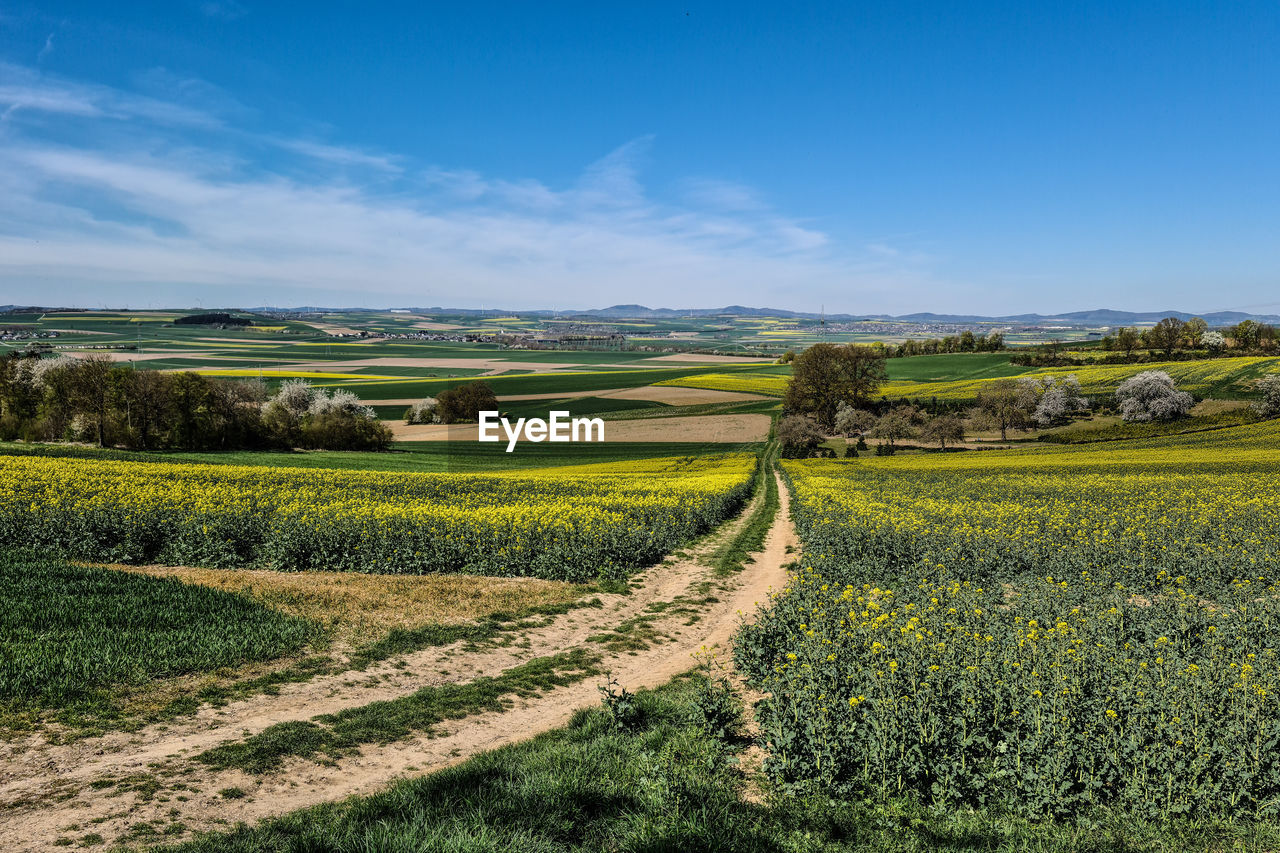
{"x": 69, "y": 632}
{"x": 952, "y": 367}
{"x": 737, "y": 552}
{"x": 335, "y": 735}
{"x": 667, "y": 782}
{"x": 1114, "y": 429}
{"x": 747, "y": 407}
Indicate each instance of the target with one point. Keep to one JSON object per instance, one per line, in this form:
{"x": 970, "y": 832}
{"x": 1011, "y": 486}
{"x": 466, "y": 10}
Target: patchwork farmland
{"x": 1070, "y": 629}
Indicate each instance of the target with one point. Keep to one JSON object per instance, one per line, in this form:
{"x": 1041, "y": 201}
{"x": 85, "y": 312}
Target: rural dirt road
{"x": 50, "y": 792}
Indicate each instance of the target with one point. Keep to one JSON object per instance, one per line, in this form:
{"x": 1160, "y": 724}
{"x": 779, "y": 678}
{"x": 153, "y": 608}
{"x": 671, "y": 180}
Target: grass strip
{"x": 666, "y": 784}
{"x": 335, "y": 735}
{"x": 750, "y": 539}
{"x": 399, "y": 641}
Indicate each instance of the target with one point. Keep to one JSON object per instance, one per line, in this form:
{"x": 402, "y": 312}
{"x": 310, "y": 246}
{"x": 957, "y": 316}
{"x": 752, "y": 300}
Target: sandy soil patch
{"x": 711, "y": 428}
{"x": 489, "y": 364}
{"x": 364, "y": 607}
{"x": 436, "y": 327}
{"x": 563, "y": 395}
{"x": 150, "y": 355}
{"x": 704, "y": 358}
{"x": 676, "y": 396}
{"x": 511, "y": 398}
{"x": 330, "y": 328}
{"x": 242, "y": 341}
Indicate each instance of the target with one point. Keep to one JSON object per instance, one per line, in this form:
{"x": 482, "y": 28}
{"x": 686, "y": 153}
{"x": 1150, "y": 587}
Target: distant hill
{"x": 1096, "y": 317}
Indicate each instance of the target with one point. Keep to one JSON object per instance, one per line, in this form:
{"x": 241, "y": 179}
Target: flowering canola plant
{"x": 1045, "y": 631}
{"x": 768, "y": 384}
{"x": 571, "y": 523}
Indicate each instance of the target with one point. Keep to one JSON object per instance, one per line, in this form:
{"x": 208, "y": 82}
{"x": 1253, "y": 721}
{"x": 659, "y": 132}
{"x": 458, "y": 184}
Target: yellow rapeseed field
{"x": 752, "y": 383}
{"x": 1047, "y": 631}
{"x": 564, "y": 524}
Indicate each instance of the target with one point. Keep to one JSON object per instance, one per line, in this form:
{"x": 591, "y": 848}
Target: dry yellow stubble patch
{"x": 361, "y": 608}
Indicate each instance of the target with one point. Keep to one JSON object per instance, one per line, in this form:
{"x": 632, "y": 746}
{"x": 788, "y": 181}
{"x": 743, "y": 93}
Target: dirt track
{"x": 36, "y": 774}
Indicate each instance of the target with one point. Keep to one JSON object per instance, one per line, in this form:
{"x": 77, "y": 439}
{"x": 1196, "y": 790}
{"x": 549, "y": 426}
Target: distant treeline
{"x": 94, "y": 400}
{"x": 966, "y": 341}
{"x": 1169, "y": 340}
{"x": 212, "y": 318}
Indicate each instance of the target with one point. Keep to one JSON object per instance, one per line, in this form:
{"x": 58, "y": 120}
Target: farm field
{"x": 503, "y": 677}
{"x": 1223, "y": 378}
{"x": 406, "y": 456}
{"x": 68, "y": 630}
{"x": 322, "y": 624}
{"x": 570, "y": 523}
{"x": 1093, "y": 627}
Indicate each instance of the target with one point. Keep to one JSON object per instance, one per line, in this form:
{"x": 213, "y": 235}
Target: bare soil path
{"x": 48, "y": 791}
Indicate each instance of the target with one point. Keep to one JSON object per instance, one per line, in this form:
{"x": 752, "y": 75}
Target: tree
{"x": 87, "y": 387}
{"x": 341, "y": 401}
{"x": 283, "y": 414}
{"x": 1127, "y": 341}
{"x": 295, "y": 397}
{"x": 942, "y": 429}
{"x": 1166, "y": 335}
{"x": 1246, "y": 334}
{"x": 464, "y": 403}
{"x": 892, "y": 427}
{"x": 1003, "y": 406}
{"x": 851, "y": 421}
{"x": 1152, "y": 396}
{"x": 826, "y": 375}
{"x": 341, "y": 429}
{"x": 1193, "y": 332}
{"x": 1269, "y": 405}
{"x": 1214, "y": 342}
{"x": 798, "y": 435}
{"x": 422, "y": 412}
{"x": 144, "y": 395}
{"x": 1061, "y": 399}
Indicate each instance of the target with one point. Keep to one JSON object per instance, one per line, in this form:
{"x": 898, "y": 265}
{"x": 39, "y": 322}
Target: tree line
{"x": 966, "y": 341}
{"x": 1171, "y": 336}
{"x": 95, "y": 400}
{"x": 832, "y": 388}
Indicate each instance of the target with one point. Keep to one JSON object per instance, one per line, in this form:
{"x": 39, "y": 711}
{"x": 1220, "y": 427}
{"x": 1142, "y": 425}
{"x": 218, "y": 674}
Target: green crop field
{"x": 953, "y": 368}
{"x": 67, "y": 631}
{"x": 1222, "y": 378}
{"x": 537, "y": 383}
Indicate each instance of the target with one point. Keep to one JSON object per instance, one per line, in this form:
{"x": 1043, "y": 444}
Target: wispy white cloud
{"x": 224, "y": 10}
{"x": 28, "y": 91}
{"x": 46, "y": 50}
{"x": 337, "y": 154}
{"x": 208, "y": 214}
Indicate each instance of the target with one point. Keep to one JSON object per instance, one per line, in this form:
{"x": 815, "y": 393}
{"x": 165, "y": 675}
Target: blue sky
{"x": 865, "y": 157}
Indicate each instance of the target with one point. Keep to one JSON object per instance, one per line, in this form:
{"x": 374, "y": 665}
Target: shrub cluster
{"x": 94, "y": 400}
